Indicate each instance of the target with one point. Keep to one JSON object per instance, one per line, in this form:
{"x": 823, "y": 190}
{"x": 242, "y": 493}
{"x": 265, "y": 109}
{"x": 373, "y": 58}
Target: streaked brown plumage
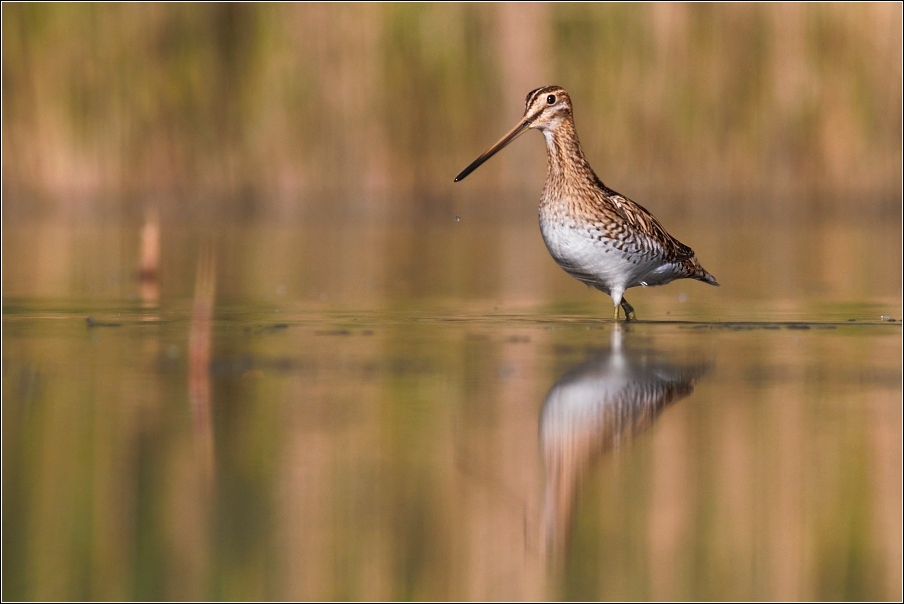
{"x": 598, "y": 236}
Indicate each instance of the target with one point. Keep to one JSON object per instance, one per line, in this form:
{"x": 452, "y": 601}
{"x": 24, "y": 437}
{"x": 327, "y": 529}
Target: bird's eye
{"x": 551, "y": 99}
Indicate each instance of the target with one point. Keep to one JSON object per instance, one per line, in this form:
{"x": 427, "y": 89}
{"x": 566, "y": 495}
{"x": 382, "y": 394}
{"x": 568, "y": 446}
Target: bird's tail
{"x": 699, "y": 273}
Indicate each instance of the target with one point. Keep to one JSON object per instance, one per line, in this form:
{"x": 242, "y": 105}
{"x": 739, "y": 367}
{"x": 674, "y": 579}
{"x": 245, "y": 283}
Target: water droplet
{"x": 458, "y": 219}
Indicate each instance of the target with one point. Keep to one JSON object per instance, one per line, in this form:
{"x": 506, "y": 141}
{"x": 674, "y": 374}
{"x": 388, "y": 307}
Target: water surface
{"x": 408, "y": 455}
{"x": 276, "y": 413}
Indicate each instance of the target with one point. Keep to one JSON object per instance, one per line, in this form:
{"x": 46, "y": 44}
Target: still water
{"x": 281, "y": 413}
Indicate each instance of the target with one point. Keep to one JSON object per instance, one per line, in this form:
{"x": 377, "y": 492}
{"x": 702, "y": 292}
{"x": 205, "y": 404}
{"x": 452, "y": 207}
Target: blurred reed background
{"x": 365, "y": 111}
{"x": 347, "y": 440}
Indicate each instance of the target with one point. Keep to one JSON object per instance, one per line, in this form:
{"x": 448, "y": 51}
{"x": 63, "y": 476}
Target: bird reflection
{"x": 595, "y": 408}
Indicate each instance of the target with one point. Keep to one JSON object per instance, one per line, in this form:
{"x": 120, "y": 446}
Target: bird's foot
{"x": 629, "y": 315}
{"x": 629, "y": 311}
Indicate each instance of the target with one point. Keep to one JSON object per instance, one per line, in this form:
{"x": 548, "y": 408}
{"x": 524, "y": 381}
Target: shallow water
{"x": 452, "y": 419}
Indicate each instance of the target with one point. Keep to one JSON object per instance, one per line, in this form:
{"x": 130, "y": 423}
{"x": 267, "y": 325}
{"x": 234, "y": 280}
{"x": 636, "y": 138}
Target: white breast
{"x": 589, "y": 256}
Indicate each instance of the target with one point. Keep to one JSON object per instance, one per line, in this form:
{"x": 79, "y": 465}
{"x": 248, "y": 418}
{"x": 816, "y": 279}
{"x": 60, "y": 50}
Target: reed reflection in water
{"x": 191, "y": 523}
{"x": 412, "y": 456}
{"x": 595, "y": 408}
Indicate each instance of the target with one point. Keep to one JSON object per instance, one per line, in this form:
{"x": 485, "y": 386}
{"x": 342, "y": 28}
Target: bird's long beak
{"x": 515, "y": 132}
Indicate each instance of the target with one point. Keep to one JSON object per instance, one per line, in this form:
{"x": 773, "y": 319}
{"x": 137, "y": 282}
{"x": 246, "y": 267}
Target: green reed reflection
{"x": 397, "y": 456}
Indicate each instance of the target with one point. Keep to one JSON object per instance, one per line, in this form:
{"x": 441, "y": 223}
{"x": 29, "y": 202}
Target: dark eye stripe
{"x": 531, "y": 96}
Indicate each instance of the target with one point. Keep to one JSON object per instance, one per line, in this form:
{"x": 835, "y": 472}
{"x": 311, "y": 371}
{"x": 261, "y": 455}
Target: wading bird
{"x": 596, "y": 235}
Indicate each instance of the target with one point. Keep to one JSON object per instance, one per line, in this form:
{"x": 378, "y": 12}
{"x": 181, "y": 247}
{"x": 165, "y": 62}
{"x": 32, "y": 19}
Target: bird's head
{"x": 544, "y": 108}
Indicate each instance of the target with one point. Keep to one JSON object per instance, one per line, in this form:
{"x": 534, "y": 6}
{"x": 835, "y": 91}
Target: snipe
{"x": 598, "y": 236}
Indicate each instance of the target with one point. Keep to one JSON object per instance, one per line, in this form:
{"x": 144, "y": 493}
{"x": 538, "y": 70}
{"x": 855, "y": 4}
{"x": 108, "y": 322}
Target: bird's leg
{"x": 615, "y": 317}
{"x": 629, "y": 311}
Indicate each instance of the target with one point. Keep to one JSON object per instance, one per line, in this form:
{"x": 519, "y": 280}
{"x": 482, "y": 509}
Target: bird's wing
{"x": 645, "y": 227}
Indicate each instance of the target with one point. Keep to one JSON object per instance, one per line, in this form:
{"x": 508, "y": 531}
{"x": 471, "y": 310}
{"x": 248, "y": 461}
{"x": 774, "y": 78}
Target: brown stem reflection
{"x": 595, "y": 408}
{"x": 190, "y": 564}
{"x": 199, "y": 360}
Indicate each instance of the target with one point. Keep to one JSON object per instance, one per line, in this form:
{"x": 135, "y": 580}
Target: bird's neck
{"x": 566, "y": 167}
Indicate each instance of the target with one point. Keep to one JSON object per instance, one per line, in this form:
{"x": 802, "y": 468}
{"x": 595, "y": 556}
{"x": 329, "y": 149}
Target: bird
{"x": 599, "y": 406}
{"x": 595, "y": 234}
